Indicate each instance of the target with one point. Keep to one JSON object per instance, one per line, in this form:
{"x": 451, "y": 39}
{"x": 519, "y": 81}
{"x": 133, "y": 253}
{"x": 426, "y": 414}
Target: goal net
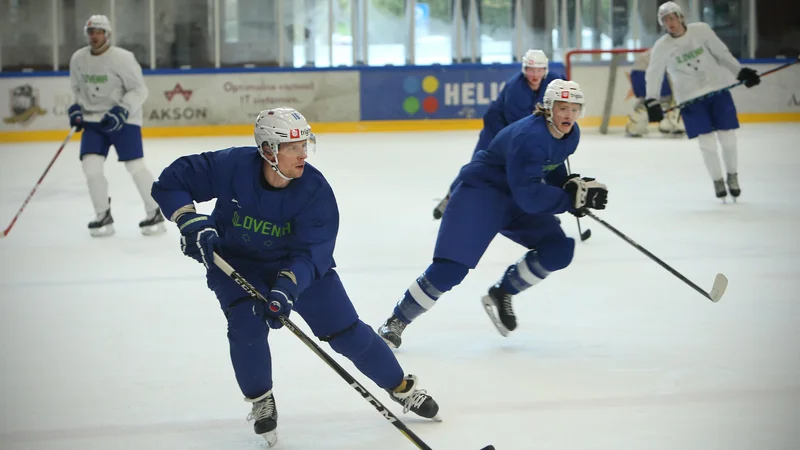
{"x": 604, "y": 76}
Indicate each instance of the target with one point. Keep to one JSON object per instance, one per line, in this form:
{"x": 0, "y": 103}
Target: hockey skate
{"x": 720, "y": 190}
{"x": 733, "y": 185}
{"x": 497, "y": 304}
{"x": 265, "y": 415}
{"x": 415, "y": 400}
{"x": 153, "y": 224}
{"x": 438, "y": 212}
{"x": 391, "y": 331}
{"x": 102, "y": 225}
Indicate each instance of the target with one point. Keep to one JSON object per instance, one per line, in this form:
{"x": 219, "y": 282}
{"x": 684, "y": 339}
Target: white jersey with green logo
{"x": 697, "y": 62}
{"x": 101, "y": 82}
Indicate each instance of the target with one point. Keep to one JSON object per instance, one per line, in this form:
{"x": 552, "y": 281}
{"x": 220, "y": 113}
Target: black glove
{"x": 199, "y": 237}
{"x": 654, "y": 111}
{"x": 596, "y": 194}
{"x": 749, "y": 77}
{"x": 281, "y": 300}
{"x": 585, "y": 193}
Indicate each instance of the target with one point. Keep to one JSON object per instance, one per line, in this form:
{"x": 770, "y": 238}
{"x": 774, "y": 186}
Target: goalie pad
{"x": 637, "y": 121}
{"x": 672, "y": 124}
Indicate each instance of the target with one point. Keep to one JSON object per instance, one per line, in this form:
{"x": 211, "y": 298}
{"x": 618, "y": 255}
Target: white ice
{"x": 116, "y": 343}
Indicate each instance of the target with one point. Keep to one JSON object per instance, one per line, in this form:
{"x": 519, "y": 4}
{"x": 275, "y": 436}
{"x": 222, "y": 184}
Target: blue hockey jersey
{"x": 261, "y": 227}
{"x": 515, "y": 101}
{"x": 527, "y": 163}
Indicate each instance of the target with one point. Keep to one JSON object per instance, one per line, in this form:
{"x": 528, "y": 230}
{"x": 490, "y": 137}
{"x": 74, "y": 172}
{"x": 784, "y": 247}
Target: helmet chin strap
{"x": 274, "y": 166}
{"x": 553, "y": 125}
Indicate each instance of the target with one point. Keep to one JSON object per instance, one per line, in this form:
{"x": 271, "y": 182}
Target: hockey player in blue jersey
{"x": 517, "y": 100}
{"x": 276, "y": 221}
{"x": 515, "y": 188}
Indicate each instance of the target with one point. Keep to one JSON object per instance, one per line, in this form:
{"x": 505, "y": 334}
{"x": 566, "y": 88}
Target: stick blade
{"x": 488, "y": 447}
{"x": 720, "y": 284}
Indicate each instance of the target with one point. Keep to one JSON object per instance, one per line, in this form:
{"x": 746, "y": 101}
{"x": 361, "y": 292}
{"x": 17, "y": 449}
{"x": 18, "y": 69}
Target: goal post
{"x": 605, "y": 81}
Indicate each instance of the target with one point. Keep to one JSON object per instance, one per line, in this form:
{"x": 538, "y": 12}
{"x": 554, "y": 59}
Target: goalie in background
{"x": 671, "y": 125}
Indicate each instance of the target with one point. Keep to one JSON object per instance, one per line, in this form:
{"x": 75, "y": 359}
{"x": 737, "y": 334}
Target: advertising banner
{"x": 237, "y": 98}
{"x": 437, "y": 92}
{"x": 41, "y": 103}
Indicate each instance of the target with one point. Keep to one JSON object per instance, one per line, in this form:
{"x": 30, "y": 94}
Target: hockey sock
{"x": 92, "y": 165}
{"x": 730, "y": 152}
{"x": 708, "y": 147}
{"x": 537, "y": 264}
{"x": 250, "y": 354}
{"x": 361, "y": 345}
{"x": 441, "y": 276}
{"x": 143, "y": 180}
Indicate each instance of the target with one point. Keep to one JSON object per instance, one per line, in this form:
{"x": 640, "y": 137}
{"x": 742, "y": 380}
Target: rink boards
{"x": 208, "y": 102}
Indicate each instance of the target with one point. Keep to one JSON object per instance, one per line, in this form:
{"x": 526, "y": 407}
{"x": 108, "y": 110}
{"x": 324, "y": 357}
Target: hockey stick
{"x": 250, "y": 289}
{"x": 33, "y": 191}
{"x": 720, "y": 282}
{"x": 584, "y": 235}
{"x": 713, "y": 93}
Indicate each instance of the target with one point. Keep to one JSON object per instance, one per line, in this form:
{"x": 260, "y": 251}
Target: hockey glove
{"x": 585, "y": 193}
{"x": 749, "y": 77}
{"x": 114, "y": 119}
{"x": 576, "y": 190}
{"x": 280, "y": 300}
{"x": 75, "y": 117}
{"x": 199, "y": 238}
{"x": 596, "y": 194}
{"x": 654, "y": 111}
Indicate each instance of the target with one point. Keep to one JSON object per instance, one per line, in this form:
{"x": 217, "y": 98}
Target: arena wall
{"x": 208, "y": 102}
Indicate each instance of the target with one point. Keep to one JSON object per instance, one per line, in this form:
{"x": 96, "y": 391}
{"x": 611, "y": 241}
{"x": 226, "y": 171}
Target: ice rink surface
{"x": 116, "y": 343}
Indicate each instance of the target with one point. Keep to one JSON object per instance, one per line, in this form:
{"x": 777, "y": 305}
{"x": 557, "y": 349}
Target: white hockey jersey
{"x": 101, "y": 82}
{"x": 696, "y": 63}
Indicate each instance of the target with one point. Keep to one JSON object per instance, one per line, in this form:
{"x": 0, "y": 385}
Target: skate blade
{"x": 488, "y": 306}
{"x": 104, "y": 231}
{"x": 271, "y": 437}
{"x": 153, "y": 230}
{"x": 436, "y": 418}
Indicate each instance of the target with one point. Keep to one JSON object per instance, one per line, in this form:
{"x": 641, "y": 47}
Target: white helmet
{"x": 278, "y": 125}
{"x": 535, "y": 58}
{"x": 667, "y": 9}
{"x": 100, "y": 22}
{"x": 563, "y": 91}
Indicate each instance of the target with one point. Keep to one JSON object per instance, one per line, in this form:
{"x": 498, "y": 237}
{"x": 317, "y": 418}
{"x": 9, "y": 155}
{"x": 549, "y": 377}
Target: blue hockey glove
{"x": 654, "y": 111}
{"x": 280, "y": 300}
{"x": 75, "y": 117}
{"x": 114, "y": 119}
{"x": 749, "y": 77}
{"x": 199, "y": 237}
